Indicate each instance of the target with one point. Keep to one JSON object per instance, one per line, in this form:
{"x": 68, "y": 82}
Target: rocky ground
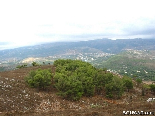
{"x": 17, "y": 99}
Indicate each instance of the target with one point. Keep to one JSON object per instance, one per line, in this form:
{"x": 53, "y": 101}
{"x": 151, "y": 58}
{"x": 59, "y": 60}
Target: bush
{"x": 69, "y": 87}
{"x": 74, "y": 79}
{"x": 35, "y": 64}
{"x": 127, "y": 83}
{"x": 22, "y": 66}
{"x": 152, "y": 88}
{"x": 145, "y": 89}
{"x": 114, "y": 89}
{"x": 87, "y": 85}
{"x": 39, "y": 79}
{"x": 139, "y": 81}
{"x": 101, "y": 80}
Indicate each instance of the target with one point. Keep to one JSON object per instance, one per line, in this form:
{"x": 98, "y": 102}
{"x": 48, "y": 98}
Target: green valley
{"x": 133, "y": 63}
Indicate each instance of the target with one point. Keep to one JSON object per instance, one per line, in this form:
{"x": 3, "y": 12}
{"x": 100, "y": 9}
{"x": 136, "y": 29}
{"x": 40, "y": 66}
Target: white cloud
{"x": 32, "y": 21}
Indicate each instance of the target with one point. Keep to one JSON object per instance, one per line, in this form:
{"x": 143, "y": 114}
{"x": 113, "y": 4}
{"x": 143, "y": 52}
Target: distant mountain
{"x": 125, "y": 56}
{"x": 104, "y": 45}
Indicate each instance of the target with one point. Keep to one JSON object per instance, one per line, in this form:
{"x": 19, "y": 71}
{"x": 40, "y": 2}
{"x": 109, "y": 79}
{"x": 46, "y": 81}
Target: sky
{"x": 29, "y": 22}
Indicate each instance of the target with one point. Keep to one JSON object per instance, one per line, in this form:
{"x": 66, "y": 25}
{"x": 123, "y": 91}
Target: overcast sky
{"x": 27, "y": 22}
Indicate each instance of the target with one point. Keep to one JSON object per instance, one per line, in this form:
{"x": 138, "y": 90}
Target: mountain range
{"x": 102, "y": 53}
{"x": 104, "y": 45}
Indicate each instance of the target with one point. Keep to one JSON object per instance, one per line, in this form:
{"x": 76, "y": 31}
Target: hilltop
{"x": 17, "y": 98}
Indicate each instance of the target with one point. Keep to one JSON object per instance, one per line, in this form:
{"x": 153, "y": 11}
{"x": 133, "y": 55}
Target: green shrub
{"x": 127, "y": 83}
{"x": 114, "y": 89}
{"x": 145, "y": 89}
{"x": 35, "y": 64}
{"x": 39, "y": 79}
{"x": 139, "y": 81}
{"x": 152, "y": 88}
{"x": 101, "y": 80}
{"x": 74, "y": 79}
{"x": 69, "y": 87}
{"x": 22, "y": 66}
{"x": 87, "y": 85}
{"x": 74, "y": 73}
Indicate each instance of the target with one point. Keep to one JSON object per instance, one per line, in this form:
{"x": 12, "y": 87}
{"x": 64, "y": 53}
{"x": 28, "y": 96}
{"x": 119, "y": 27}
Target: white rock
{"x": 150, "y": 99}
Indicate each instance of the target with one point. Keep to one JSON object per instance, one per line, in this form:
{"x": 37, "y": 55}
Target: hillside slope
{"x": 133, "y": 63}
{"x": 85, "y": 50}
{"x": 16, "y": 98}
{"x": 104, "y": 45}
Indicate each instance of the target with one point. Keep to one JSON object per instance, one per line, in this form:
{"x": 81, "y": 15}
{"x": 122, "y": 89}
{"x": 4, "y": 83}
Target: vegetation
{"x": 101, "y": 80}
{"x": 22, "y": 66}
{"x": 75, "y": 78}
{"x": 152, "y": 87}
{"x": 139, "y": 81}
{"x": 69, "y": 87}
{"x": 127, "y": 82}
{"x": 145, "y": 89}
{"x": 130, "y": 64}
{"x": 35, "y": 64}
{"x": 114, "y": 89}
{"x": 39, "y": 79}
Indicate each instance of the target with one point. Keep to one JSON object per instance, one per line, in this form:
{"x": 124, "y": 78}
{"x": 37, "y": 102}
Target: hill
{"x": 133, "y": 63}
{"x": 16, "y": 98}
{"x": 136, "y": 54}
{"x": 104, "y": 45}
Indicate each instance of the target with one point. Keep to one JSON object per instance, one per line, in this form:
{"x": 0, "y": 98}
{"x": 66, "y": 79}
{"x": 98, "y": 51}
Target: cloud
{"x": 142, "y": 27}
{"x": 31, "y": 22}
